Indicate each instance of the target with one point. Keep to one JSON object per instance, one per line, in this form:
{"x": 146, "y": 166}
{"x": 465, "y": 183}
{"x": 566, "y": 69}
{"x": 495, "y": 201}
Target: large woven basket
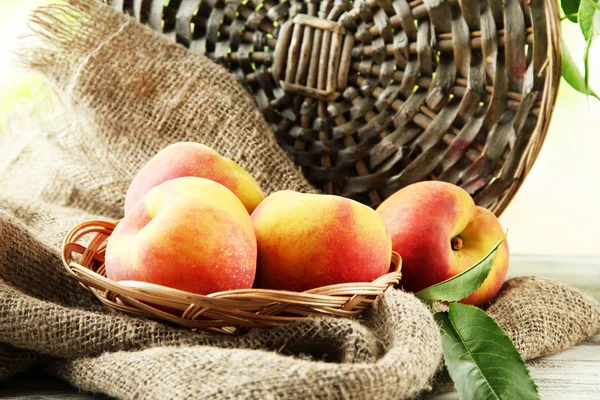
{"x": 229, "y": 312}
{"x": 369, "y": 96}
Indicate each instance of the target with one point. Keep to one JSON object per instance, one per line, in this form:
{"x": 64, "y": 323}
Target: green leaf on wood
{"x": 589, "y": 22}
{"x": 572, "y": 74}
{"x": 464, "y": 284}
{"x": 481, "y": 359}
{"x": 570, "y": 8}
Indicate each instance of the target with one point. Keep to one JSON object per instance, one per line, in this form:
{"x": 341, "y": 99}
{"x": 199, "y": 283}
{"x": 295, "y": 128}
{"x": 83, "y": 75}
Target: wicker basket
{"x": 230, "y": 312}
{"x": 369, "y": 96}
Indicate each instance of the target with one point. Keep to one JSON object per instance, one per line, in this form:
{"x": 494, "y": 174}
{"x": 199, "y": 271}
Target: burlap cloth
{"x": 124, "y": 95}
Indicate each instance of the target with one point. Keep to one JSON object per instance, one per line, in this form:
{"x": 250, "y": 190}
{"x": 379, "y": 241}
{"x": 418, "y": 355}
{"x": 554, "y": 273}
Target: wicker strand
{"x": 370, "y": 96}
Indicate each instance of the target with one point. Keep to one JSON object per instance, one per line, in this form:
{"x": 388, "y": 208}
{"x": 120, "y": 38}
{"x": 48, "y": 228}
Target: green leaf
{"x": 586, "y": 65}
{"x": 589, "y": 18}
{"x": 462, "y": 285}
{"x": 481, "y": 359}
{"x": 570, "y": 8}
{"x": 589, "y": 22}
{"x": 572, "y": 74}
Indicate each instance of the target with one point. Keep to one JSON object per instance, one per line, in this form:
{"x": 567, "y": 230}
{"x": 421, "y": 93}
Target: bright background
{"x": 554, "y": 213}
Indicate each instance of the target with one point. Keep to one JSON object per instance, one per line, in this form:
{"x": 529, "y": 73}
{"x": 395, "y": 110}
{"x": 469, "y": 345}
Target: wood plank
{"x": 581, "y": 272}
{"x": 573, "y": 374}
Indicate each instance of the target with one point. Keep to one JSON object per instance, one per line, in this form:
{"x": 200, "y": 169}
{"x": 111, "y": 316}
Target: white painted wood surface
{"x": 571, "y": 375}
{"x": 575, "y": 373}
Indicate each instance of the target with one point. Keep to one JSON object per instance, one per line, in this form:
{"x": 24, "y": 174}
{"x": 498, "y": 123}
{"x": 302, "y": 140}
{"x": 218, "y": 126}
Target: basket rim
{"x": 550, "y": 93}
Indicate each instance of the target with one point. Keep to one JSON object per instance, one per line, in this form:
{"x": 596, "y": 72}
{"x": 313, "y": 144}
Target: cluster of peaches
{"x": 198, "y": 222}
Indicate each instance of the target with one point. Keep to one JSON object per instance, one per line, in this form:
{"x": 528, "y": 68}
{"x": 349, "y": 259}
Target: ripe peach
{"x": 188, "y": 233}
{"x": 311, "y": 240}
{"x": 439, "y": 232}
{"x": 194, "y": 159}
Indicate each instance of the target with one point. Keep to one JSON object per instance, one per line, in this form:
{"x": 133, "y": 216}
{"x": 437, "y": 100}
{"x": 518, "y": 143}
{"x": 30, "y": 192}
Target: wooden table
{"x": 575, "y": 373}
{"x": 571, "y": 375}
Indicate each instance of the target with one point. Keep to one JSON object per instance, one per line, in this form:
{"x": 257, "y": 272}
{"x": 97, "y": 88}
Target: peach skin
{"x": 311, "y": 240}
{"x": 439, "y": 232}
{"x": 188, "y": 233}
{"x": 194, "y": 159}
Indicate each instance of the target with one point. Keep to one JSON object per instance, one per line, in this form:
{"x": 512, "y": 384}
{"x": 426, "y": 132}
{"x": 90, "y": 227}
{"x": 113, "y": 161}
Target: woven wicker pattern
{"x": 369, "y": 96}
{"x": 230, "y": 312}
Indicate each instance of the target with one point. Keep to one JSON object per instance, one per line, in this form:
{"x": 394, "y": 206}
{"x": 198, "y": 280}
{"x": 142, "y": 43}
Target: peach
{"x": 194, "y": 159}
{"x": 439, "y": 232}
{"x": 187, "y": 233}
{"x": 311, "y": 240}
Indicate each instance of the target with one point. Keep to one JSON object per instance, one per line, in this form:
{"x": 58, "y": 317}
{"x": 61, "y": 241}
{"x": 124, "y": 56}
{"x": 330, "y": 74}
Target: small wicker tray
{"x": 229, "y": 312}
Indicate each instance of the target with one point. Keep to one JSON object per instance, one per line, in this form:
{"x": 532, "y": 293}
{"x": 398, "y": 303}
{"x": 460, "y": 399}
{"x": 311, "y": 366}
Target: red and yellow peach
{"x": 439, "y": 232}
{"x": 194, "y": 159}
{"x": 187, "y": 233}
{"x": 311, "y": 240}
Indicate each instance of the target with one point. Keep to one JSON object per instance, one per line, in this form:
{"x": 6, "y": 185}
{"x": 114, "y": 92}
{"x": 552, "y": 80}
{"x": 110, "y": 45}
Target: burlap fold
{"x": 543, "y": 316}
{"x": 125, "y": 93}
{"x": 399, "y": 324}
